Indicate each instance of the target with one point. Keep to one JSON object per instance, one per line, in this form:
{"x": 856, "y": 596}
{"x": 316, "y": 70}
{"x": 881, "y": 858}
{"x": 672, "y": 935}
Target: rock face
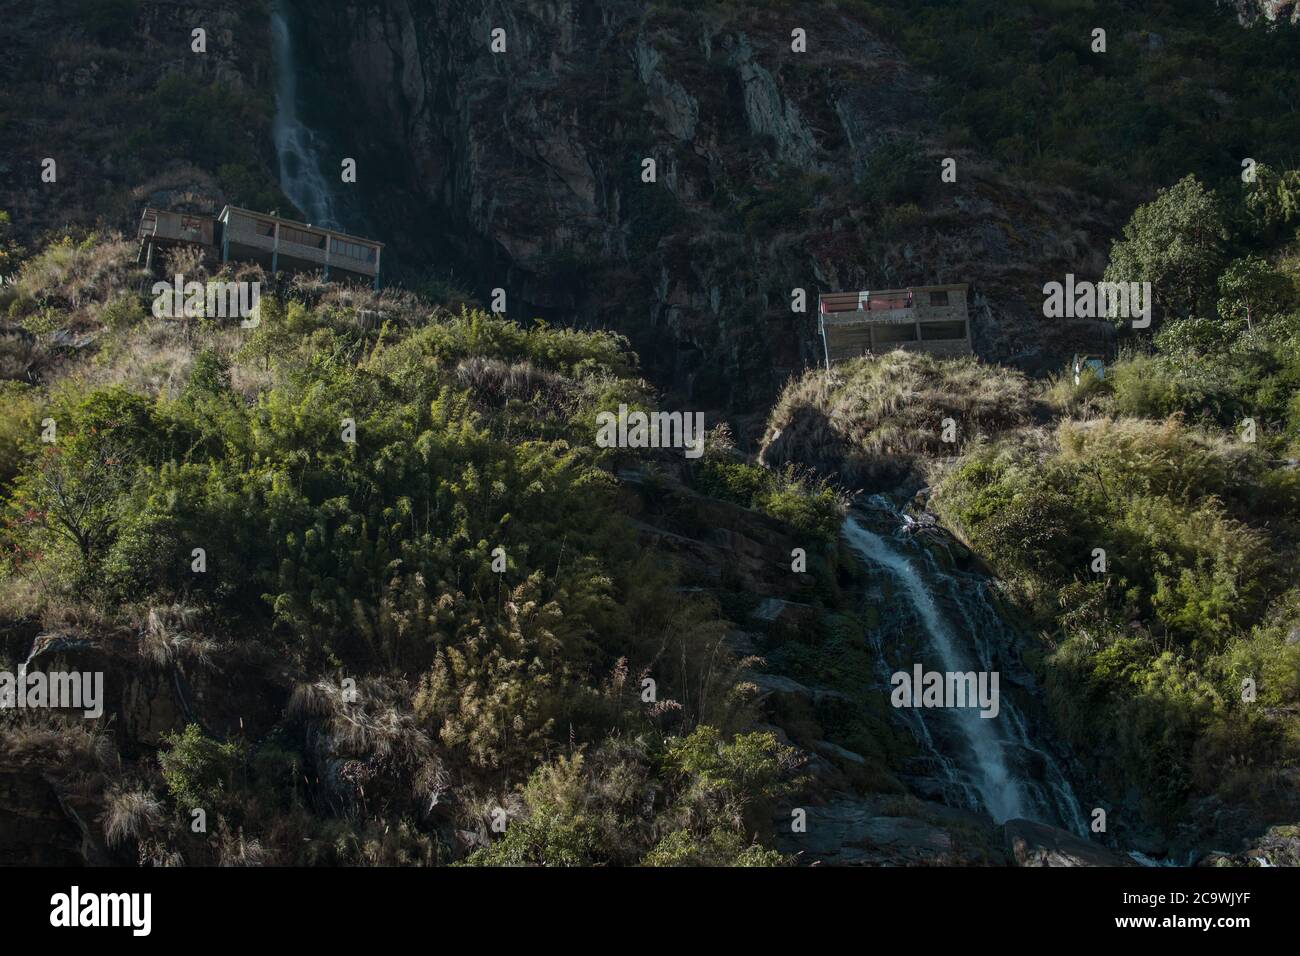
{"x": 1278, "y": 846}
{"x": 1274, "y": 11}
{"x": 34, "y": 830}
{"x": 1036, "y": 844}
{"x": 524, "y": 170}
{"x": 146, "y": 698}
{"x": 884, "y": 831}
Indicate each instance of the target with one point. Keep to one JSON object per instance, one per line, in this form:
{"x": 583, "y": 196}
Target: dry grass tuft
{"x": 44, "y": 738}
{"x": 881, "y": 417}
{"x": 130, "y": 815}
{"x": 374, "y": 732}
{"x": 69, "y": 278}
{"x": 494, "y": 383}
{"x": 169, "y": 633}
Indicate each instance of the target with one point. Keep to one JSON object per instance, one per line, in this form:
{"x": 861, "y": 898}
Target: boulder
{"x": 781, "y": 686}
{"x": 886, "y": 831}
{"x": 1278, "y": 846}
{"x": 1037, "y": 844}
{"x": 775, "y": 611}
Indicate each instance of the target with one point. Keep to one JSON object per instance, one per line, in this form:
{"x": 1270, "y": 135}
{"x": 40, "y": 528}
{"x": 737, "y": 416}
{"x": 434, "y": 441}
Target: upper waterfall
{"x": 301, "y": 151}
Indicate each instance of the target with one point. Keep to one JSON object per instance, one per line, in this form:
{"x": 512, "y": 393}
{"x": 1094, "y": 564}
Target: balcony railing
{"x": 862, "y": 316}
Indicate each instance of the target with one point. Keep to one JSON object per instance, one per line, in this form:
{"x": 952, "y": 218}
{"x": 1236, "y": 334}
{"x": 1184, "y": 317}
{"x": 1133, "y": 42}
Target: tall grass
{"x": 882, "y": 417}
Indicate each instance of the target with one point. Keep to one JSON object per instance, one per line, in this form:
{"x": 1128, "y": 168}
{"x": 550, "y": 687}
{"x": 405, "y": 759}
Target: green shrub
{"x": 560, "y": 827}
{"x": 200, "y": 773}
{"x": 719, "y": 847}
{"x": 808, "y": 505}
{"x": 123, "y": 312}
{"x": 1144, "y": 675}
{"x": 735, "y": 780}
{"x": 1146, "y": 387}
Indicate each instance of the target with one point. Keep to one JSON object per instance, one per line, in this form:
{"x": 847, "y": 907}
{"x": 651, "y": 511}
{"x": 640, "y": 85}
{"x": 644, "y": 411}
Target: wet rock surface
{"x": 886, "y": 831}
{"x": 1037, "y": 844}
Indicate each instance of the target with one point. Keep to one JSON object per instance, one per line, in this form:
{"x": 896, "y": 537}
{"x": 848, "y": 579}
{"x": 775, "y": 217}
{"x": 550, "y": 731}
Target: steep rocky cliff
{"x": 522, "y": 169}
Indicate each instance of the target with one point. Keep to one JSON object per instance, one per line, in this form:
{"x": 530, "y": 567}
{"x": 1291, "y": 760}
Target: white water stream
{"x": 981, "y": 762}
{"x": 300, "y": 149}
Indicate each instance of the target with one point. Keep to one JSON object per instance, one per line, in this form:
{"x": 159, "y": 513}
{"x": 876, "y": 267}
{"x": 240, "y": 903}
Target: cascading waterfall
{"x": 299, "y": 148}
{"x": 985, "y": 759}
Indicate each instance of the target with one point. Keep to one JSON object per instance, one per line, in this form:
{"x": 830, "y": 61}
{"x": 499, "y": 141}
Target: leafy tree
{"x": 1250, "y": 292}
{"x": 210, "y": 373}
{"x": 1272, "y": 202}
{"x": 729, "y": 780}
{"x": 1175, "y": 242}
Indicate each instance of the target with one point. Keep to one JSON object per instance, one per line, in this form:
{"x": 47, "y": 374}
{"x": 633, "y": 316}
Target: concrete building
{"x": 162, "y": 229}
{"x": 297, "y": 246}
{"x": 930, "y": 318}
{"x": 277, "y": 244}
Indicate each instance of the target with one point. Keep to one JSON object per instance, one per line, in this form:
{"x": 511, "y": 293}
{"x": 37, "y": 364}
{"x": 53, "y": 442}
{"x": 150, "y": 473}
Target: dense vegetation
{"x": 1181, "y": 87}
{"x": 1145, "y": 521}
{"x": 112, "y": 91}
{"x": 389, "y": 519}
{"x": 406, "y": 508}
{"x": 1176, "y": 668}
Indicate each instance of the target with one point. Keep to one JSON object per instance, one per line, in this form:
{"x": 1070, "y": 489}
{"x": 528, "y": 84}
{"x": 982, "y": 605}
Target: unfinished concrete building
{"x": 930, "y": 318}
{"x": 278, "y": 244}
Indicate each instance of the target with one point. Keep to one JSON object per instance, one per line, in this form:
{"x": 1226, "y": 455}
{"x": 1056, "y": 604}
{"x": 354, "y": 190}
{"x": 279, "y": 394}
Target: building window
{"x": 888, "y": 333}
{"x": 289, "y": 234}
{"x": 943, "y": 331}
{"x": 939, "y": 298}
{"x": 352, "y": 250}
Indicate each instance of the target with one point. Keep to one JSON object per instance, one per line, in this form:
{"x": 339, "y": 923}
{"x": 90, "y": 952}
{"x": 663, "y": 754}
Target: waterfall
{"x": 980, "y": 762}
{"x": 300, "y": 149}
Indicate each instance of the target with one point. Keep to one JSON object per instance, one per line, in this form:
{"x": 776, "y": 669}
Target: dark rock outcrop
{"x": 34, "y": 829}
{"x": 887, "y": 831}
{"x": 1036, "y": 844}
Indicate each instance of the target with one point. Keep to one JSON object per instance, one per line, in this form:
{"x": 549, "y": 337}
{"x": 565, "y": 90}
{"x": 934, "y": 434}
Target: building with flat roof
{"x": 297, "y": 246}
{"x": 930, "y": 318}
{"x": 278, "y": 244}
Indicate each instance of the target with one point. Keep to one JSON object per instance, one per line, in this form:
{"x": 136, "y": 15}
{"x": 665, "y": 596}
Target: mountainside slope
{"x": 776, "y": 170}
